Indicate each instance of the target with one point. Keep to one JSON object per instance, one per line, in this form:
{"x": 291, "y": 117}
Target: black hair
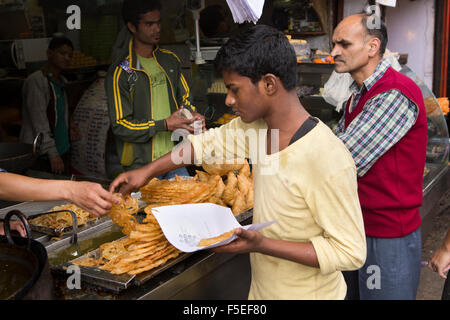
{"x": 210, "y": 18}
{"x": 132, "y": 9}
{"x": 58, "y": 42}
{"x": 376, "y": 29}
{"x": 259, "y": 50}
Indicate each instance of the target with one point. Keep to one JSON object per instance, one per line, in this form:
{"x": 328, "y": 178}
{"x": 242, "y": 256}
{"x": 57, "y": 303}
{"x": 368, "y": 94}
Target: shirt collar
{"x": 374, "y": 77}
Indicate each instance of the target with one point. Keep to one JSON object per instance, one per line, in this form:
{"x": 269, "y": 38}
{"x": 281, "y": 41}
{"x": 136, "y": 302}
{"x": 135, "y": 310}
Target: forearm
{"x": 15, "y": 187}
{"x": 300, "y": 252}
{"x": 181, "y": 156}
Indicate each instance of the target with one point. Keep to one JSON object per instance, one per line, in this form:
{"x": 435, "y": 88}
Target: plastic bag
{"x": 337, "y": 89}
{"x": 392, "y": 58}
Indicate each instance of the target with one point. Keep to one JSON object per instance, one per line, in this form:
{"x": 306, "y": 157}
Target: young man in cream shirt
{"x": 304, "y": 177}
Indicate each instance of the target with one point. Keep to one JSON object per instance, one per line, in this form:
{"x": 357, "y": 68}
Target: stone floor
{"x": 431, "y": 284}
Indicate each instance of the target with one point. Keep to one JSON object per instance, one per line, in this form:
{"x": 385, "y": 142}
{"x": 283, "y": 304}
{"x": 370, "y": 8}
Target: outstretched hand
{"x": 91, "y": 197}
{"x": 129, "y": 181}
{"x": 247, "y": 241}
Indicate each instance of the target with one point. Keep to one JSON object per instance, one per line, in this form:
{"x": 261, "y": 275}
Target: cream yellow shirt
{"x": 310, "y": 188}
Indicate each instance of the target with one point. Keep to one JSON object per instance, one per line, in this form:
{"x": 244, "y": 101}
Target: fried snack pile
{"x": 122, "y": 214}
{"x": 179, "y": 191}
{"x": 144, "y": 249}
{"x": 236, "y": 193}
{"x": 61, "y": 220}
{"x": 223, "y": 169}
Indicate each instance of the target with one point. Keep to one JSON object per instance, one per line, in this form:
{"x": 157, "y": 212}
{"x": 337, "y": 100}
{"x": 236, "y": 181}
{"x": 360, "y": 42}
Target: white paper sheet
{"x": 185, "y": 225}
{"x": 246, "y": 10}
{"x": 390, "y": 3}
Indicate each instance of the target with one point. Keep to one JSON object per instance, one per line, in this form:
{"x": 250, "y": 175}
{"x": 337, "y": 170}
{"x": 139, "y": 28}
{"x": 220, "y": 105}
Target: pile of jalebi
{"x": 144, "y": 249}
{"x": 61, "y": 220}
{"x": 122, "y": 214}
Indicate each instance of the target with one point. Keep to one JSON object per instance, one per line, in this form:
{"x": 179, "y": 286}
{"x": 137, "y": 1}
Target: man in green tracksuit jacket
{"x": 146, "y": 91}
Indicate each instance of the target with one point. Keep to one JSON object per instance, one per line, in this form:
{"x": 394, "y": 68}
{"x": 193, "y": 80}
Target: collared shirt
{"x": 384, "y": 120}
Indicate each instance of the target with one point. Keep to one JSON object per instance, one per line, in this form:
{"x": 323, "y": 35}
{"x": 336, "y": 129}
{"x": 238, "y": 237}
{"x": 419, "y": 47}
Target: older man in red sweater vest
{"x": 385, "y": 129}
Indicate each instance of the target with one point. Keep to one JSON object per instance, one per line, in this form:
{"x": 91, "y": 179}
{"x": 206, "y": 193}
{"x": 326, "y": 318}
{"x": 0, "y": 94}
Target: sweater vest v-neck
{"x": 390, "y": 193}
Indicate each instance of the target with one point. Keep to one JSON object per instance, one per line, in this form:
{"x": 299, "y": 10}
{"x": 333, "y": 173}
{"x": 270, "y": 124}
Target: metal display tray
{"x": 118, "y": 282}
{"x": 102, "y": 279}
{"x": 57, "y": 232}
{"x": 43, "y": 234}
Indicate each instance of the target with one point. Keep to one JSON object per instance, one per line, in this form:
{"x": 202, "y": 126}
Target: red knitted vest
{"x": 390, "y": 193}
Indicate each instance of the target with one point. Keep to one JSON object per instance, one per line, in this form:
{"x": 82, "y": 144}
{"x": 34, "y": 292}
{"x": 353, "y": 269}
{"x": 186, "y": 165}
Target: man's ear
{"x": 131, "y": 27}
{"x": 374, "y": 47}
{"x": 270, "y": 84}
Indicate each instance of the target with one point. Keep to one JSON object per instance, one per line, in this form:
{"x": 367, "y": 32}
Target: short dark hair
{"x": 380, "y": 31}
{"x": 259, "y": 50}
{"x": 58, "y": 42}
{"x": 132, "y": 9}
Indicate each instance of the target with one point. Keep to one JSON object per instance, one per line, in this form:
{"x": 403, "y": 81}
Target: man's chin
{"x": 340, "y": 69}
{"x": 152, "y": 42}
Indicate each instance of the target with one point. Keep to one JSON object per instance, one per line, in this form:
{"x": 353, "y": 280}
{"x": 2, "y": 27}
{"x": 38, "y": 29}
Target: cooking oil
{"x": 84, "y": 246}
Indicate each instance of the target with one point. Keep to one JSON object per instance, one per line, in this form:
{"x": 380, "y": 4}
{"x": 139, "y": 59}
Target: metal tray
{"x": 118, "y": 282}
{"x": 58, "y": 232}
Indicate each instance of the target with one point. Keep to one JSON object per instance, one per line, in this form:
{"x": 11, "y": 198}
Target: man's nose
{"x": 229, "y": 100}
{"x": 335, "y": 52}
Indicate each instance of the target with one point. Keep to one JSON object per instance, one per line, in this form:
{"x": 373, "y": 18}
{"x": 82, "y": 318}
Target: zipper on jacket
{"x": 130, "y": 49}
{"x": 151, "y": 91}
{"x": 170, "y": 82}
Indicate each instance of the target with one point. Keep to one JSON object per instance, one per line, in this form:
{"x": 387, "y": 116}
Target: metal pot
{"x": 18, "y": 157}
{"x": 25, "y": 272}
